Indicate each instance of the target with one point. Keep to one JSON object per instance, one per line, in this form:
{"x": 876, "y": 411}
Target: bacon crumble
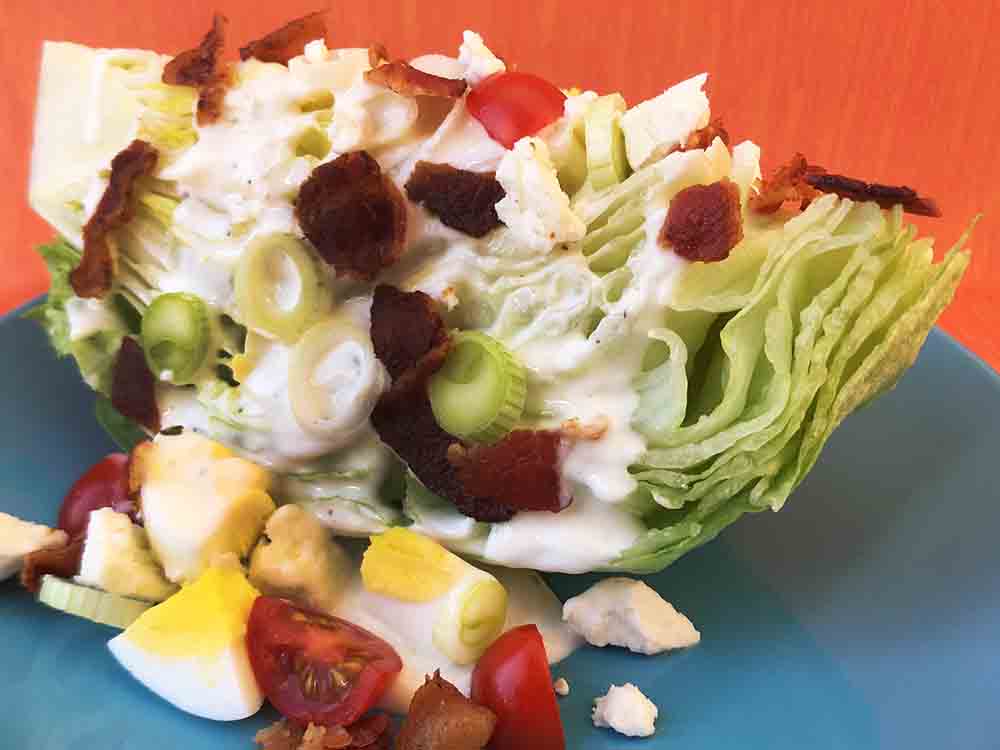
{"x": 441, "y": 718}
{"x": 704, "y": 222}
{"x": 404, "y": 79}
{"x": 63, "y": 562}
{"x": 377, "y": 54}
{"x": 800, "y": 182}
{"x": 133, "y": 386}
{"x": 354, "y": 215}
{"x": 289, "y": 41}
{"x": 371, "y": 732}
{"x": 703, "y": 137}
{"x": 461, "y": 199}
{"x": 521, "y": 470}
{"x": 201, "y": 68}
{"x": 93, "y": 276}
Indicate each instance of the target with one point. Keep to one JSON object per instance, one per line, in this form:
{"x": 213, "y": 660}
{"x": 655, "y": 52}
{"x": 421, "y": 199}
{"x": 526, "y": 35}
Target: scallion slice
{"x": 479, "y": 392}
{"x": 175, "y": 336}
{"x": 278, "y": 286}
{"x": 607, "y": 163}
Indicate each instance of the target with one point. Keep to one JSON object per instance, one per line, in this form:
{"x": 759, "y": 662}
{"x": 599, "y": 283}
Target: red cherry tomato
{"x": 512, "y": 105}
{"x": 314, "y": 667}
{"x": 104, "y": 485}
{"x": 512, "y": 679}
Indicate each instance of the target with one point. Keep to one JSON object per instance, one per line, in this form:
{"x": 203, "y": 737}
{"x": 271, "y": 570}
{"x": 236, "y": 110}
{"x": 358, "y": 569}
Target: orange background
{"x": 899, "y": 92}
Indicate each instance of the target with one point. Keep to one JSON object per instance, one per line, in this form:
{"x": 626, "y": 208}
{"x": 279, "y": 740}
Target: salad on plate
{"x": 381, "y": 339}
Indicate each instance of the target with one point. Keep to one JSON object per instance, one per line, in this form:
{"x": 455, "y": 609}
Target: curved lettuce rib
{"x": 843, "y": 300}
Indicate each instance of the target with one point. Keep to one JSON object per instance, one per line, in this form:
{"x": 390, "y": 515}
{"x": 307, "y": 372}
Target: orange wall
{"x": 901, "y": 92}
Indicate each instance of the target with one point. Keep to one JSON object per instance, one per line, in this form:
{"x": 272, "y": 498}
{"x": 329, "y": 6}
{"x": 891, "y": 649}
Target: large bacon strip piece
{"x": 289, "y": 41}
{"x": 404, "y": 79}
{"x": 704, "y": 222}
{"x": 202, "y": 69}
{"x": 354, "y": 215}
{"x": 92, "y": 278}
{"x": 461, "y": 199}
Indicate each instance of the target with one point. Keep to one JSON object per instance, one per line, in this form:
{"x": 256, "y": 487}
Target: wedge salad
{"x": 473, "y": 325}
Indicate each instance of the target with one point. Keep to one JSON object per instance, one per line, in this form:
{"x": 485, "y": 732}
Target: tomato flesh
{"x": 513, "y": 680}
{"x": 314, "y": 667}
{"x": 512, "y": 105}
{"x": 103, "y": 485}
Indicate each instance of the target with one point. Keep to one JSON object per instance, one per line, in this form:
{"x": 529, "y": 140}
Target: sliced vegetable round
{"x": 278, "y": 286}
{"x": 334, "y": 378}
{"x": 91, "y": 604}
{"x": 479, "y": 392}
{"x": 175, "y": 336}
{"x": 607, "y": 163}
{"x": 512, "y": 679}
{"x": 512, "y": 105}
{"x": 471, "y": 619}
{"x": 314, "y": 667}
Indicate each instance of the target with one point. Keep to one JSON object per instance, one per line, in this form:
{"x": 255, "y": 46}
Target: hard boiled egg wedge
{"x": 191, "y": 649}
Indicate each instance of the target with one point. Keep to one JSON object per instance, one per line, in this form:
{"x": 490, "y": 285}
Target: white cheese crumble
{"x": 628, "y": 613}
{"x": 626, "y": 710}
{"x": 535, "y": 207}
{"x": 477, "y": 58}
{"x": 656, "y": 125}
{"x": 561, "y": 686}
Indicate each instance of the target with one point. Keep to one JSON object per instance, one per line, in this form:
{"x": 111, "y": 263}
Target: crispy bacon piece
{"x": 441, "y": 718}
{"x": 369, "y": 732}
{"x": 289, "y": 41}
{"x": 462, "y": 200}
{"x": 377, "y": 54}
{"x": 354, "y": 215}
{"x": 704, "y": 222}
{"x": 133, "y": 386}
{"x": 703, "y": 137}
{"x": 801, "y": 182}
{"x": 92, "y": 278}
{"x": 63, "y": 562}
{"x": 409, "y": 338}
{"x": 885, "y": 196}
{"x": 201, "y": 68}
{"x": 405, "y": 327}
{"x": 404, "y": 79}
{"x": 521, "y": 471}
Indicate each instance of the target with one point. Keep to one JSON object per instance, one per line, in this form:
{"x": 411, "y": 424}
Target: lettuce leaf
{"x": 820, "y": 315}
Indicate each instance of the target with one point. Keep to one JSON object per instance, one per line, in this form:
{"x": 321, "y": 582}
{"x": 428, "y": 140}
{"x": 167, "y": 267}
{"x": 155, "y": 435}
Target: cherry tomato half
{"x": 512, "y": 105}
{"x": 512, "y": 679}
{"x": 103, "y": 485}
{"x": 314, "y": 667}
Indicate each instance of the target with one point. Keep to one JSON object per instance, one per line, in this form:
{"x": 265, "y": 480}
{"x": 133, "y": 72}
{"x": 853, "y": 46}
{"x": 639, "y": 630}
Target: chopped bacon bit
{"x": 409, "y": 338}
{"x": 200, "y": 68}
{"x": 704, "y": 222}
{"x": 521, "y": 471}
{"x": 289, "y": 41}
{"x": 802, "y": 182}
{"x": 92, "y": 278}
{"x": 404, "y": 79}
{"x": 885, "y": 196}
{"x": 405, "y": 327}
{"x": 441, "y": 718}
{"x": 462, "y": 200}
{"x": 133, "y": 386}
{"x": 703, "y": 137}
{"x": 63, "y": 562}
{"x": 573, "y": 429}
{"x": 354, "y": 215}
{"x": 369, "y": 732}
{"x": 377, "y": 54}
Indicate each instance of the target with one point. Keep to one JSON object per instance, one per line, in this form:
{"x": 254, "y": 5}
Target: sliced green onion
{"x": 479, "y": 392}
{"x": 175, "y": 336}
{"x": 472, "y": 618}
{"x": 91, "y": 604}
{"x": 607, "y": 162}
{"x": 573, "y": 171}
{"x": 278, "y": 286}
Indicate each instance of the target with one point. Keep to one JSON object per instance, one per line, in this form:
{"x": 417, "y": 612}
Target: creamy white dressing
{"x": 407, "y": 627}
{"x": 88, "y": 316}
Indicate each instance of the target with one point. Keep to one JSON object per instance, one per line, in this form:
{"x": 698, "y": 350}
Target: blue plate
{"x": 866, "y": 614}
